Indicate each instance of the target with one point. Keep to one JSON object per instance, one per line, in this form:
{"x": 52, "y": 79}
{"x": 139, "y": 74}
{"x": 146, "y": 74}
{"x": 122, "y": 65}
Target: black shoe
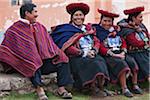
{"x": 127, "y": 93}
{"x": 137, "y": 91}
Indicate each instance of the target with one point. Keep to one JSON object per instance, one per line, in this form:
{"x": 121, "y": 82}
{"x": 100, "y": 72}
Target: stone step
{"x": 1, "y": 68}
{"x": 17, "y": 81}
{"x": 9, "y": 82}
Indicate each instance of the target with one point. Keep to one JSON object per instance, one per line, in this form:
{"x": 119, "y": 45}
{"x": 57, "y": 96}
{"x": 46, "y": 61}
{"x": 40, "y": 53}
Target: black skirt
{"x": 142, "y": 59}
{"x": 117, "y": 66}
{"x": 85, "y": 70}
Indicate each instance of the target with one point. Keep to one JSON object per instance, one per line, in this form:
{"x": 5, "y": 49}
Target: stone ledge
{"x": 1, "y": 68}
{"x": 9, "y": 82}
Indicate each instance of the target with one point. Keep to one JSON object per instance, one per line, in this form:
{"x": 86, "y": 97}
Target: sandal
{"x": 109, "y": 93}
{"x": 127, "y": 93}
{"x": 137, "y": 91}
{"x": 101, "y": 93}
{"x": 42, "y": 96}
{"x": 64, "y": 95}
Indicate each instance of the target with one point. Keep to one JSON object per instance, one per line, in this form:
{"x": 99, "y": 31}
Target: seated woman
{"x": 119, "y": 64}
{"x": 80, "y": 44}
{"x": 137, "y": 37}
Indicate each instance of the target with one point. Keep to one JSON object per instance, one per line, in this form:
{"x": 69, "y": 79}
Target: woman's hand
{"x": 91, "y": 54}
{"x": 121, "y": 55}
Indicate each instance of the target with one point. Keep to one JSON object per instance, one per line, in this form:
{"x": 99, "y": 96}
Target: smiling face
{"x": 78, "y": 18}
{"x": 31, "y": 16}
{"x": 106, "y": 22}
{"x": 138, "y": 19}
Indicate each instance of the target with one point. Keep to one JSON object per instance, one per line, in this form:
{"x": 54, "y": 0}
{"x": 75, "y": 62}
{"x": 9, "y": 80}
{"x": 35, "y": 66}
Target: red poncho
{"x": 25, "y": 46}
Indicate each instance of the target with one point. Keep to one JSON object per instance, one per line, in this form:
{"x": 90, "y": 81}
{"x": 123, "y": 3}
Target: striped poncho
{"x": 25, "y": 46}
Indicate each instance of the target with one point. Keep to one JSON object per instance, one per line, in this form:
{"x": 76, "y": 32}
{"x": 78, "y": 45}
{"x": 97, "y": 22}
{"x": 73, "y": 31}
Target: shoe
{"x": 127, "y": 93}
{"x": 42, "y": 96}
{"x": 137, "y": 91}
{"x": 64, "y": 95}
{"x": 101, "y": 93}
{"x": 109, "y": 93}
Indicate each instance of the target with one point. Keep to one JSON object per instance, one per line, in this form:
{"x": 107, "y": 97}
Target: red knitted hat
{"x": 108, "y": 14}
{"x": 133, "y": 10}
{"x": 73, "y": 7}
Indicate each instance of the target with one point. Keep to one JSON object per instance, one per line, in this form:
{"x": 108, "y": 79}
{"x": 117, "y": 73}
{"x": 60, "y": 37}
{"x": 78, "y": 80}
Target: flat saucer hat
{"x": 73, "y": 7}
{"x": 133, "y": 10}
{"x": 108, "y": 14}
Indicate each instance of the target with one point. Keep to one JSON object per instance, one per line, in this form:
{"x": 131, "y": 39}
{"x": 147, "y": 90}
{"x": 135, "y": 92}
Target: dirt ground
{"x": 145, "y": 96}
